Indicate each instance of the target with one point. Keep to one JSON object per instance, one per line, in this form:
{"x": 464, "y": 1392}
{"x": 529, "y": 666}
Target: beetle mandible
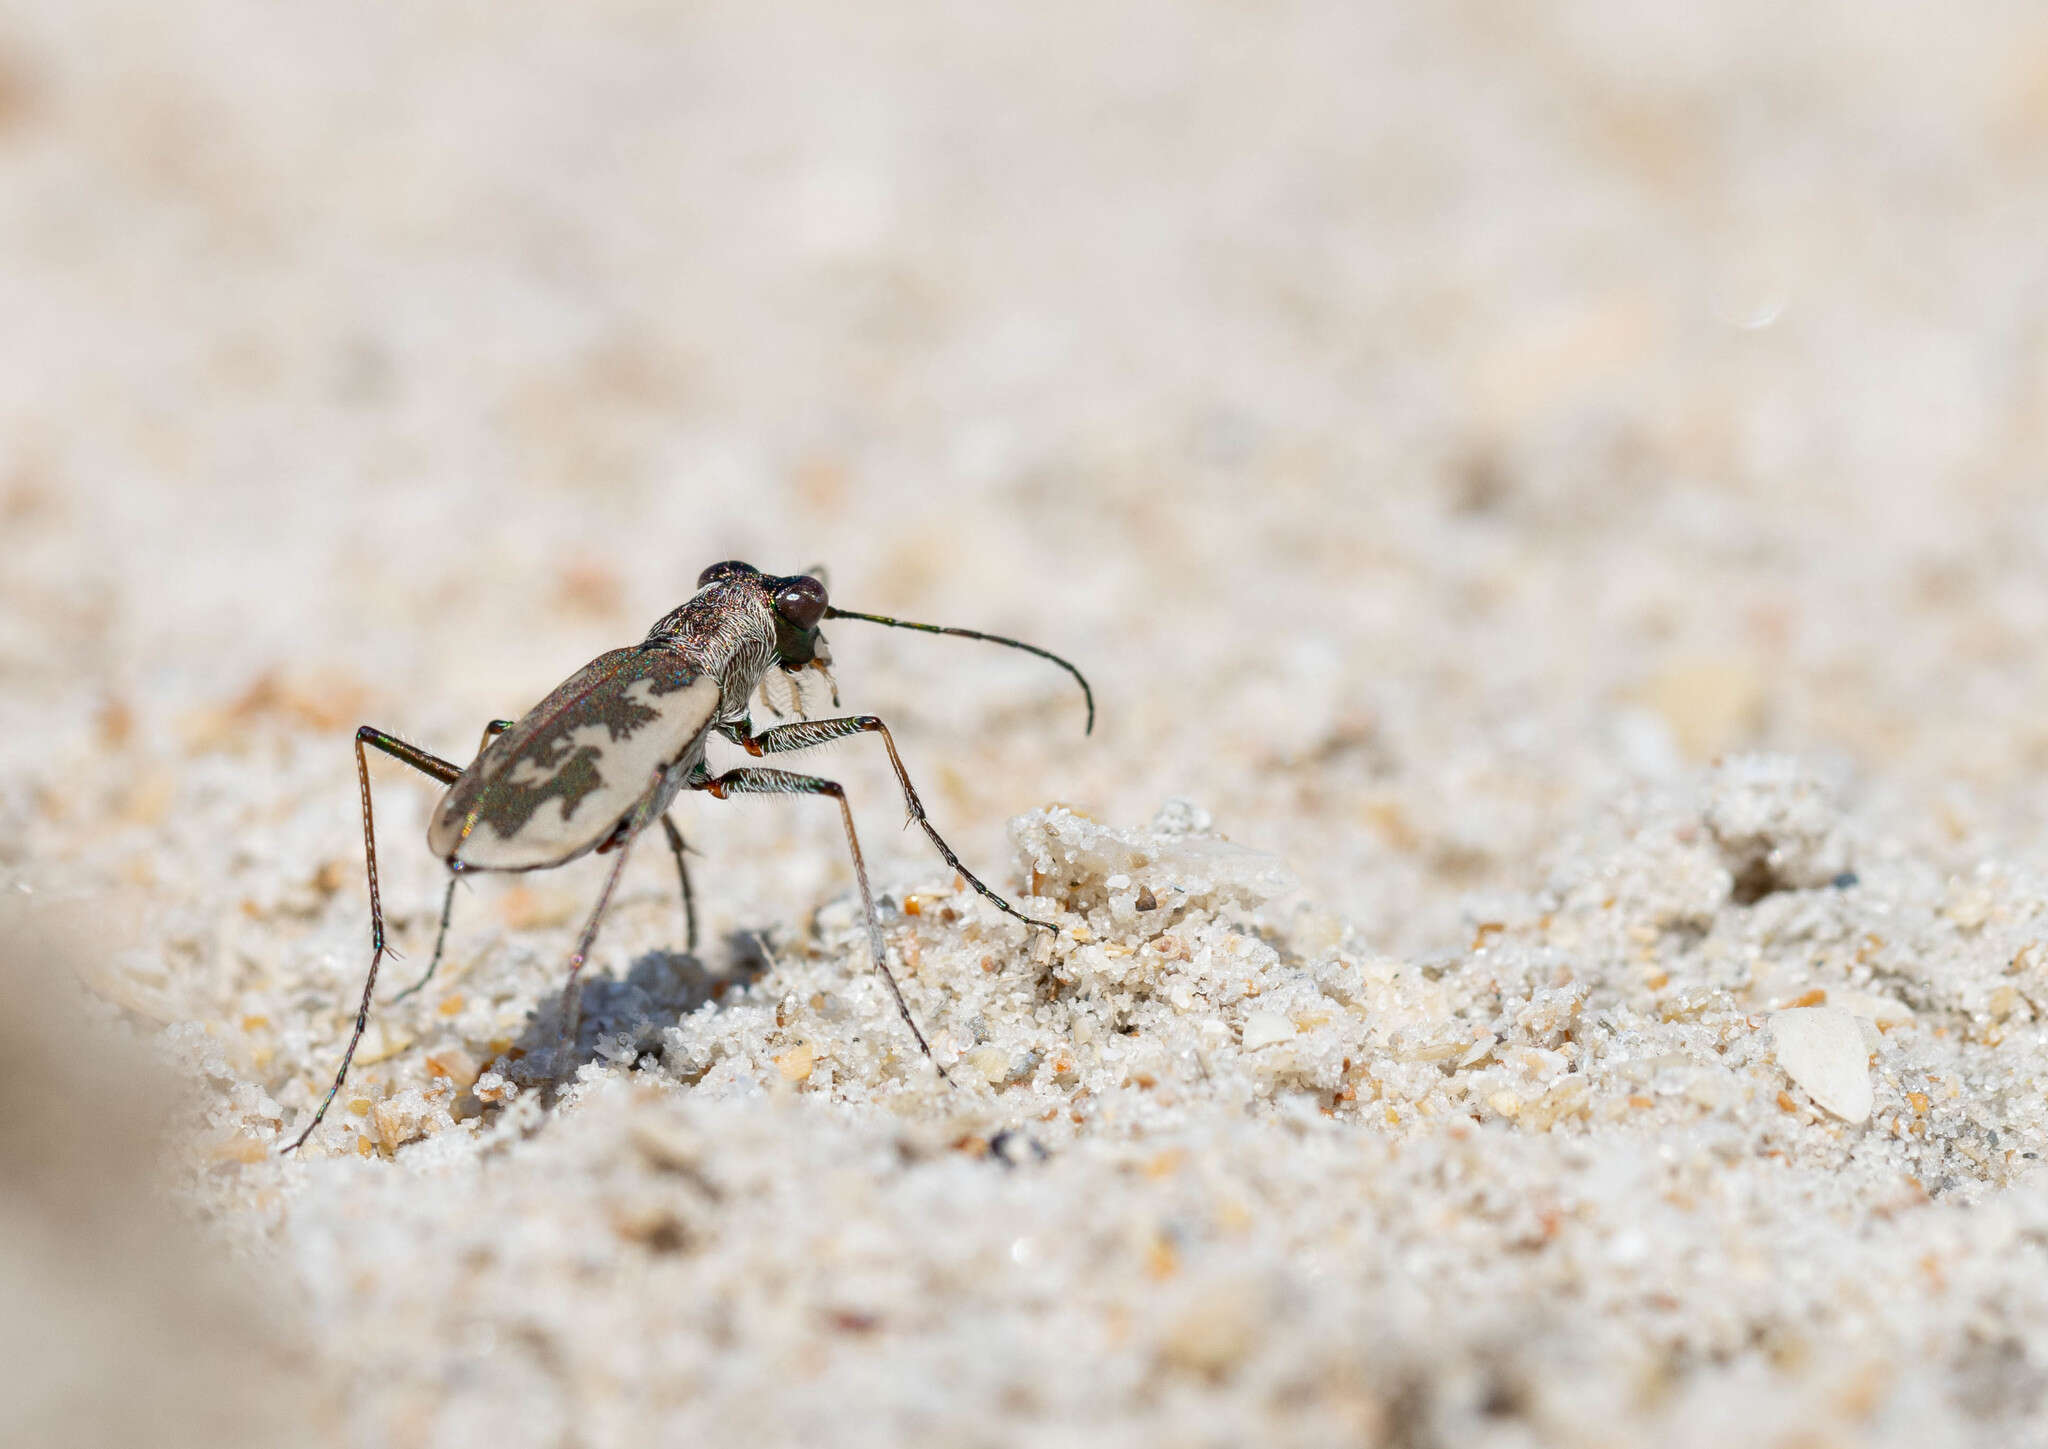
{"x": 602, "y": 758}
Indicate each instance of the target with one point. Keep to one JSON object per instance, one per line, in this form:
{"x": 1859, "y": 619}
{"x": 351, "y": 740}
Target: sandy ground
{"x": 1551, "y": 918}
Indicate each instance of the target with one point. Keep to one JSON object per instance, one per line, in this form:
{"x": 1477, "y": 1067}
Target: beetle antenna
{"x": 1086, "y": 693}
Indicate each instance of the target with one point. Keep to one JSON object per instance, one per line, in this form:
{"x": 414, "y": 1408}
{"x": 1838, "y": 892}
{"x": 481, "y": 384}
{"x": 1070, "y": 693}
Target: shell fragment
{"x": 1822, "y": 1049}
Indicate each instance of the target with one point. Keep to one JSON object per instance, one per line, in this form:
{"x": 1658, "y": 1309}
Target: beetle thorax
{"x": 725, "y": 630}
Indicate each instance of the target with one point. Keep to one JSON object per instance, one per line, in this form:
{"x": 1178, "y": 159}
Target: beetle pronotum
{"x": 615, "y": 743}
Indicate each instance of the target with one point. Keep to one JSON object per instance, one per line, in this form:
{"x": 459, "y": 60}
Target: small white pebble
{"x": 1214, "y": 1329}
{"x": 454, "y": 1063}
{"x": 398, "y": 1120}
{"x": 992, "y": 1062}
{"x": 1263, "y": 1028}
{"x": 1822, "y": 1049}
{"x": 1871, "y": 1007}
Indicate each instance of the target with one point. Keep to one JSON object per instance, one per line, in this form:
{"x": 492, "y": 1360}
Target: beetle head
{"x": 795, "y": 602}
{"x": 799, "y": 608}
{"x": 799, "y": 605}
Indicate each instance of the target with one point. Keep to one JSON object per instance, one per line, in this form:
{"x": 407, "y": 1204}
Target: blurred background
{"x": 1413, "y": 421}
{"x": 1426, "y": 425}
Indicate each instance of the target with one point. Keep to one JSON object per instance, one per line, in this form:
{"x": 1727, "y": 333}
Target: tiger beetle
{"x": 602, "y": 758}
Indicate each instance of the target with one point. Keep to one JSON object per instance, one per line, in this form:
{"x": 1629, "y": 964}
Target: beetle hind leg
{"x": 426, "y": 764}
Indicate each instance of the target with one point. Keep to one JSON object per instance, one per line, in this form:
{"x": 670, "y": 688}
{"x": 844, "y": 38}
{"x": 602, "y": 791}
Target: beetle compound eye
{"x": 724, "y": 570}
{"x": 802, "y": 602}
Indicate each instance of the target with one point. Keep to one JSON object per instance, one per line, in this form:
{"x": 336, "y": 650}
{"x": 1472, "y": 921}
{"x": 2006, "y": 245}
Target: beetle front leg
{"x": 756, "y": 781}
{"x": 808, "y": 734}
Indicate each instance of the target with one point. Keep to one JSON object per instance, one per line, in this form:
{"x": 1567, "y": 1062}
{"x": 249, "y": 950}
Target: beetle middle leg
{"x": 806, "y": 734}
{"x": 758, "y": 781}
{"x": 676, "y": 848}
{"x": 621, "y": 841}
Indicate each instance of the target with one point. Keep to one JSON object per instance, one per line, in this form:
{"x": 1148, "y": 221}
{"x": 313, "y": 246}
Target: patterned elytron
{"x": 596, "y": 746}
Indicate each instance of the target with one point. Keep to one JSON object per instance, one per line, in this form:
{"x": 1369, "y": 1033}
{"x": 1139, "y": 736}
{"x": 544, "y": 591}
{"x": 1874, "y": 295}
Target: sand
{"x": 1550, "y": 922}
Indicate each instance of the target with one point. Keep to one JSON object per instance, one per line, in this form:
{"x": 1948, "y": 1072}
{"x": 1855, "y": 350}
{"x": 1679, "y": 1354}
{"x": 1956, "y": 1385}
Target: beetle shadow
{"x": 623, "y": 1020}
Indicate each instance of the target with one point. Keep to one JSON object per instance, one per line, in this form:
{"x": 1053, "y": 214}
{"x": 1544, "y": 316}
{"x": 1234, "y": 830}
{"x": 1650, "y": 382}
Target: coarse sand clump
{"x": 1212, "y": 1168}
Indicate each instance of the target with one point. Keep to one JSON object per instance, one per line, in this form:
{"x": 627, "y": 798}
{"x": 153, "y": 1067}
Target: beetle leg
{"x": 809, "y": 733}
{"x": 491, "y": 731}
{"x": 825, "y": 669}
{"x": 757, "y": 781}
{"x": 675, "y": 846}
{"x": 440, "y": 934}
{"x": 572, "y": 993}
{"x": 426, "y": 764}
